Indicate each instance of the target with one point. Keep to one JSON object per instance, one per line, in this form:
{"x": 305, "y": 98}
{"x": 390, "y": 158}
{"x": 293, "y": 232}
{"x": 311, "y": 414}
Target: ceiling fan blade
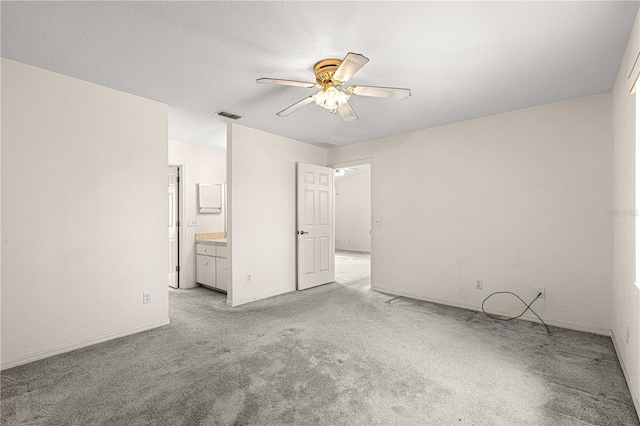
{"x": 350, "y": 65}
{"x": 380, "y": 92}
{"x": 293, "y": 108}
{"x": 285, "y": 82}
{"x": 347, "y": 113}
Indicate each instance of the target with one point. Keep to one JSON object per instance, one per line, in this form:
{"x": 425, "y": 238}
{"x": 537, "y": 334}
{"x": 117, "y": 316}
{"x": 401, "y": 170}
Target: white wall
{"x": 262, "y": 215}
{"x": 84, "y": 172}
{"x": 1, "y": 244}
{"x": 517, "y": 199}
{"x": 353, "y": 213}
{"x": 201, "y": 165}
{"x": 626, "y": 296}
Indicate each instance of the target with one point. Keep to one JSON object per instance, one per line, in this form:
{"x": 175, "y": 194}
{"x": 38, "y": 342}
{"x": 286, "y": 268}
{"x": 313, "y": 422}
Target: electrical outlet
{"x": 543, "y": 291}
{"x": 377, "y": 221}
{"x": 192, "y": 222}
{"x": 628, "y": 336}
{"x": 478, "y": 283}
{"x": 146, "y": 298}
{"x": 248, "y": 278}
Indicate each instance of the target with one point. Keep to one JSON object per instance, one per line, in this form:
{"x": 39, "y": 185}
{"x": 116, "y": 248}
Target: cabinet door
{"x": 222, "y": 273}
{"x": 206, "y": 270}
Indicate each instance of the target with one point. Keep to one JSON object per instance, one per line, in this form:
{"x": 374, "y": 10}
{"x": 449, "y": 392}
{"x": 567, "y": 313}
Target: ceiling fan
{"x": 331, "y": 75}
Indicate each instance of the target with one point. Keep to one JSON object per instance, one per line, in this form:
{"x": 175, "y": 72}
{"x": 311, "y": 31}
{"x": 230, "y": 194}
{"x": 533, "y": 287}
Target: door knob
{"x": 302, "y": 232}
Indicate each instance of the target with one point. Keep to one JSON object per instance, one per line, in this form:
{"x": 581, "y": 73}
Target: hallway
{"x": 353, "y": 269}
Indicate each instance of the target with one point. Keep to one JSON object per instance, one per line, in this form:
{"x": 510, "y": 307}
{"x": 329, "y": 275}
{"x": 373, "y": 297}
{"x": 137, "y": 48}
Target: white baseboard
{"x": 246, "y": 300}
{"x": 35, "y": 356}
{"x": 634, "y": 393}
{"x": 555, "y": 323}
{"x": 355, "y": 250}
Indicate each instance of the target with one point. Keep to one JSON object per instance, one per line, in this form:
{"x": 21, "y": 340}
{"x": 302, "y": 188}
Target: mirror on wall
{"x": 210, "y": 198}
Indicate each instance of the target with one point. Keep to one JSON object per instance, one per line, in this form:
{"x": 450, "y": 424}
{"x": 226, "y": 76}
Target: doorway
{"x": 353, "y": 225}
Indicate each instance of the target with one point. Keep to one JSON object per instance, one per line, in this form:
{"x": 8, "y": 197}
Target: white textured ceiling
{"x": 462, "y": 60}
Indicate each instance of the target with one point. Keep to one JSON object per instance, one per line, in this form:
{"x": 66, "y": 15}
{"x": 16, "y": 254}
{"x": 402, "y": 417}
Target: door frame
{"x": 351, "y": 163}
{"x": 182, "y": 213}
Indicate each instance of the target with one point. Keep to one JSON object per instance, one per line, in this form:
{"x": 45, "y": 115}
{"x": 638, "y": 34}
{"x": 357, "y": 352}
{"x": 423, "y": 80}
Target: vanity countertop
{"x": 211, "y": 237}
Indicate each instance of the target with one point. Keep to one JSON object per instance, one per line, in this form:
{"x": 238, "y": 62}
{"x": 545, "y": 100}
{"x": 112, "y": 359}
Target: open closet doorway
{"x": 353, "y": 225}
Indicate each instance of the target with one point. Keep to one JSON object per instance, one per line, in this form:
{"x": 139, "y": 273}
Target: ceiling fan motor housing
{"x": 325, "y": 69}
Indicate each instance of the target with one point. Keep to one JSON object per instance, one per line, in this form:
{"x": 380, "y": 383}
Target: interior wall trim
{"x": 234, "y": 303}
{"x": 35, "y": 356}
{"x": 182, "y": 231}
{"x": 634, "y": 393}
{"x": 563, "y": 324}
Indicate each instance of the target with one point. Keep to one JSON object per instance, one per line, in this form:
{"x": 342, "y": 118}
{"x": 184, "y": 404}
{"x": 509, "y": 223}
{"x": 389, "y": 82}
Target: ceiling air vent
{"x": 227, "y": 114}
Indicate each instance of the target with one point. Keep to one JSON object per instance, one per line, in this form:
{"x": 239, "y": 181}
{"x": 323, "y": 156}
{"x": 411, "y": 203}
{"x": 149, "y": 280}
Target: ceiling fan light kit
{"x": 331, "y": 98}
{"x": 331, "y": 75}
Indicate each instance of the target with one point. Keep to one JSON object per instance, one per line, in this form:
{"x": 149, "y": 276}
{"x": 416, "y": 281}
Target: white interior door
{"x": 173, "y": 226}
{"x": 315, "y": 231}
